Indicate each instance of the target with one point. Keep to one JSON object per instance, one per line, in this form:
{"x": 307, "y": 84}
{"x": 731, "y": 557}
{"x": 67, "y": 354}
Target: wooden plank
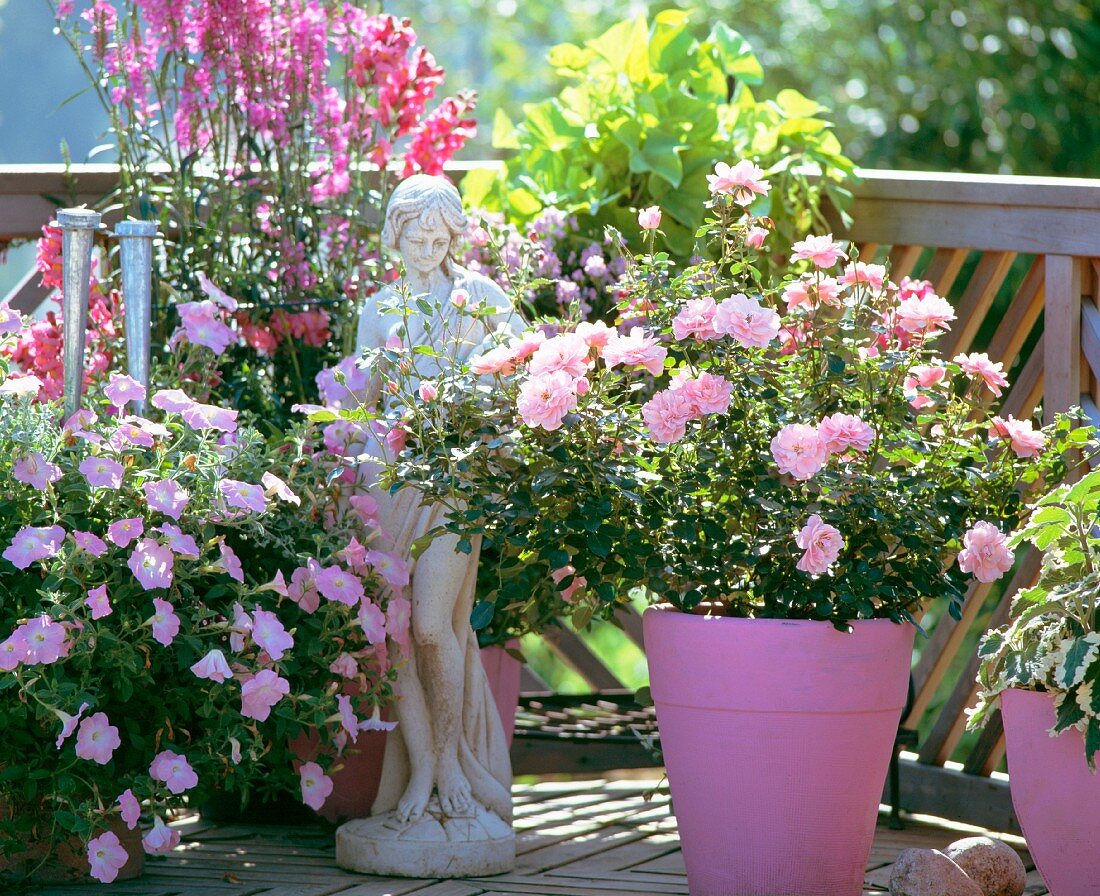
{"x": 28, "y": 293}
{"x": 1020, "y": 317}
{"x": 569, "y": 647}
{"x": 950, "y": 793}
{"x": 976, "y": 301}
{"x": 531, "y": 684}
{"x": 631, "y": 621}
{"x": 545, "y": 756}
{"x": 986, "y": 754}
{"x": 1090, "y": 335}
{"x": 944, "y": 269}
{"x": 1027, "y": 391}
{"x": 1061, "y": 336}
{"x": 903, "y": 259}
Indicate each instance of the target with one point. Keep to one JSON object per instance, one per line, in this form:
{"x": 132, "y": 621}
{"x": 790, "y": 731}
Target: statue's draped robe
{"x": 482, "y": 747}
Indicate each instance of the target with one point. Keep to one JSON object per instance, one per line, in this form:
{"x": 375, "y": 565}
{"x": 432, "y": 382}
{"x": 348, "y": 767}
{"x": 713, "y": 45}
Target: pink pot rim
{"x": 667, "y": 610}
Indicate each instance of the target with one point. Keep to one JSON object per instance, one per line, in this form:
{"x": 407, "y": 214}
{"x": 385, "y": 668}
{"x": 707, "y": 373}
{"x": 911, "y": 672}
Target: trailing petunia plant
{"x": 737, "y": 444}
{"x": 183, "y": 606}
{"x": 261, "y": 135}
{"x": 1052, "y": 643}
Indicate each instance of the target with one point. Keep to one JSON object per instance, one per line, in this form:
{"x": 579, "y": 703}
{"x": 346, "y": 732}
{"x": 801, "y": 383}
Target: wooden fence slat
{"x": 976, "y": 301}
{"x": 575, "y": 653}
{"x": 1090, "y": 335}
{"x": 987, "y": 752}
{"x": 1020, "y": 317}
{"x": 28, "y": 294}
{"x": 1062, "y": 320}
{"x": 631, "y": 621}
{"x": 944, "y": 269}
{"x": 1027, "y": 391}
{"x": 902, "y": 261}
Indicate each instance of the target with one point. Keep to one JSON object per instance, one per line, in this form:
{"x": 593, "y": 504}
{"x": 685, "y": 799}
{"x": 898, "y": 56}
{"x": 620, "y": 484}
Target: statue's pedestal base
{"x": 435, "y": 846}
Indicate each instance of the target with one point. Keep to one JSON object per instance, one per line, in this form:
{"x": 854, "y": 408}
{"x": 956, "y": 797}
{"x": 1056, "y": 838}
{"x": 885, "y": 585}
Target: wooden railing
{"x": 1020, "y": 259}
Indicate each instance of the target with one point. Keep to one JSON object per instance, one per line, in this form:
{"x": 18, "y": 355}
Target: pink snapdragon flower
{"x": 978, "y": 364}
{"x": 373, "y": 622}
{"x": 102, "y": 472}
{"x": 821, "y": 251}
{"x": 33, "y": 543}
{"x": 696, "y": 320}
{"x": 106, "y": 857}
{"x": 160, "y": 839}
{"x": 97, "y": 739}
{"x": 165, "y": 622}
{"x": 922, "y": 376}
{"x": 173, "y": 771}
{"x": 316, "y": 785}
{"x": 166, "y": 496}
{"x": 269, "y": 634}
{"x": 122, "y": 532}
{"x": 243, "y": 495}
{"x": 46, "y": 641}
{"x": 261, "y": 692}
{"x": 744, "y": 181}
{"x": 1020, "y": 434}
{"x": 98, "y": 602}
{"x": 34, "y": 470}
{"x": 212, "y": 666}
{"x": 924, "y": 314}
{"x": 799, "y": 450}
{"x": 636, "y": 349}
{"x": 567, "y": 351}
{"x": 666, "y": 415}
{"x": 842, "y": 432}
{"x": 152, "y": 564}
{"x": 985, "y": 553}
{"x": 544, "y": 400}
{"x": 821, "y": 543}
{"x": 747, "y": 321}
{"x": 123, "y": 389}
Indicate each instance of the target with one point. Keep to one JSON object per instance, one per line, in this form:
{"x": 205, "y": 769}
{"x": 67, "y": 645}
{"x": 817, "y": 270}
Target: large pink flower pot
{"x": 777, "y": 736}
{"x": 1056, "y": 797}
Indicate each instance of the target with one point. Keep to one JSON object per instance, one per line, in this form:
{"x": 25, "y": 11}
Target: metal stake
{"x": 78, "y": 227}
{"x": 135, "y": 242}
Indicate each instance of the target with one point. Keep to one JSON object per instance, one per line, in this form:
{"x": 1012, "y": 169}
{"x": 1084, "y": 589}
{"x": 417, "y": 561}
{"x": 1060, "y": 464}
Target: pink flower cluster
{"x": 821, "y": 545}
{"x": 985, "y": 553}
{"x": 802, "y": 450}
{"x": 688, "y": 398}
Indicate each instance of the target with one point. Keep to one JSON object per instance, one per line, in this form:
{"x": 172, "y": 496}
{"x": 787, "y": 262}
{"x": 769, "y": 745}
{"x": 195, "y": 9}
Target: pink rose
{"x": 821, "y": 543}
{"x": 924, "y": 315}
{"x": 755, "y": 236}
{"x": 747, "y": 321}
{"x": 649, "y": 218}
{"x": 708, "y": 394}
{"x": 1020, "y": 435}
{"x": 843, "y": 431}
{"x": 696, "y": 320}
{"x": 666, "y": 415}
{"x": 568, "y": 352}
{"x": 985, "y": 553}
{"x": 821, "y": 250}
{"x": 636, "y": 349}
{"x": 922, "y": 376}
{"x": 544, "y": 400}
{"x": 799, "y": 450}
{"x": 744, "y": 181}
{"x": 978, "y": 365}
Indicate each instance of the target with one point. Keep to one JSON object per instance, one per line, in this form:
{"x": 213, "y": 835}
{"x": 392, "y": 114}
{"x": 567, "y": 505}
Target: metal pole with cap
{"x": 135, "y": 243}
{"x": 78, "y": 228}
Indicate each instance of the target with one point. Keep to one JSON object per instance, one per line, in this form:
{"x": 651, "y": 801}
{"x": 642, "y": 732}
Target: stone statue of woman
{"x": 444, "y": 805}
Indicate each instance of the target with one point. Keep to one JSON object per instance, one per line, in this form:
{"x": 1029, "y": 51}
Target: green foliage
{"x": 1053, "y": 641}
{"x": 648, "y": 111}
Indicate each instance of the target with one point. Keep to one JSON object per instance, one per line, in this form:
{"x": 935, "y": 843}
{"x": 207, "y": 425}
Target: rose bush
{"x": 785, "y": 448}
{"x": 180, "y": 599}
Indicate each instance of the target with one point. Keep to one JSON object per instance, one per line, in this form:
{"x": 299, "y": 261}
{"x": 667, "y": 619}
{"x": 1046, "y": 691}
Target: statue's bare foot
{"x": 454, "y": 791}
{"x": 414, "y": 800}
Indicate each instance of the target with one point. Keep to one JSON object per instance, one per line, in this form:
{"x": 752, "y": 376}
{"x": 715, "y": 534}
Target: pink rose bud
{"x": 582, "y": 386}
{"x": 755, "y": 237}
{"x": 428, "y": 391}
{"x": 404, "y": 366}
{"x": 392, "y": 387}
{"x": 649, "y": 218}
{"x": 394, "y": 343}
{"x": 479, "y": 237}
{"x": 459, "y": 298}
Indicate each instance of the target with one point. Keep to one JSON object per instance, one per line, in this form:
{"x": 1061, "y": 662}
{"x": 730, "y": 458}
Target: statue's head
{"x": 424, "y": 222}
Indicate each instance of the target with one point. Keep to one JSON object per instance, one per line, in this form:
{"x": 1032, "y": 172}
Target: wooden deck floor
{"x": 578, "y": 838}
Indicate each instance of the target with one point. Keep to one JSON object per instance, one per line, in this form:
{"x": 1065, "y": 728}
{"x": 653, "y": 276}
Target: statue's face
{"x": 424, "y": 248}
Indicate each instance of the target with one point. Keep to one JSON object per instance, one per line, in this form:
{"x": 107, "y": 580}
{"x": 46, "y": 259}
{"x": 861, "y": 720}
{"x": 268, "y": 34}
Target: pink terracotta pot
{"x": 503, "y": 670}
{"x": 68, "y": 862}
{"x": 1056, "y": 797}
{"x": 777, "y": 736}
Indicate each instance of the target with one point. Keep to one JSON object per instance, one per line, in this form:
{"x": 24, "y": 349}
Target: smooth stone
{"x": 928, "y": 872}
{"x": 434, "y": 846}
{"x": 992, "y": 864}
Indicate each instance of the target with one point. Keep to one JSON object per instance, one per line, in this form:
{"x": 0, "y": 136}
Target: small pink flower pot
{"x": 503, "y": 671}
{"x": 1056, "y": 797}
{"x": 777, "y": 735}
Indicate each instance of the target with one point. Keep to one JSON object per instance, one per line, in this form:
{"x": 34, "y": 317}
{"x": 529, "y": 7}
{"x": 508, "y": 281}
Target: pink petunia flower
{"x": 821, "y": 543}
{"x": 160, "y": 839}
{"x": 98, "y": 602}
{"x": 302, "y": 591}
{"x": 636, "y": 349}
{"x": 33, "y": 543}
{"x": 696, "y": 320}
{"x": 174, "y": 401}
{"x": 391, "y": 567}
{"x": 46, "y": 641}
{"x": 97, "y": 739}
{"x": 799, "y": 450}
{"x": 348, "y": 720}
{"x": 21, "y": 386}
{"x": 1020, "y": 434}
{"x": 13, "y": 650}
{"x": 822, "y": 251}
{"x": 261, "y": 692}
{"x": 337, "y": 584}
{"x": 546, "y": 399}
{"x": 398, "y": 618}
{"x": 152, "y": 564}
{"x": 666, "y": 415}
{"x": 366, "y": 508}
{"x": 274, "y": 486}
{"x": 165, "y": 622}
{"x": 106, "y": 857}
{"x": 978, "y": 364}
{"x": 373, "y": 623}
{"x": 91, "y": 543}
{"x": 173, "y": 771}
{"x": 316, "y": 785}
{"x": 122, "y": 532}
{"x": 985, "y": 553}
{"x": 11, "y": 321}
{"x": 34, "y": 470}
{"x": 842, "y": 432}
{"x": 68, "y": 724}
{"x": 747, "y": 321}
{"x": 744, "y": 181}
{"x": 213, "y": 666}
{"x": 201, "y": 417}
{"x": 102, "y": 472}
{"x": 123, "y": 389}
{"x": 166, "y": 496}
{"x": 131, "y": 808}
{"x": 202, "y": 325}
{"x": 243, "y": 495}
{"x": 242, "y": 628}
{"x": 268, "y": 632}
{"x": 345, "y": 664}
{"x": 179, "y": 542}
{"x": 375, "y": 723}
{"x": 229, "y": 562}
